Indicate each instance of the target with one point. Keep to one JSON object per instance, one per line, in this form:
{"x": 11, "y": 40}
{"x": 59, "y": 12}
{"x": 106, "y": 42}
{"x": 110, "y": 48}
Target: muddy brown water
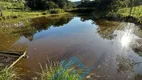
{"x": 113, "y": 48}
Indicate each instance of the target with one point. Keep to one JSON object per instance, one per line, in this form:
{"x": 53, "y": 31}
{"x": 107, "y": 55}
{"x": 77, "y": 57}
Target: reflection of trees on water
{"x": 137, "y": 47}
{"x": 10, "y": 35}
{"x": 44, "y": 23}
{"x": 124, "y": 64}
{"x": 106, "y": 28}
{"x": 85, "y": 18}
{"x": 62, "y": 21}
{"x": 138, "y": 50}
{"x": 7, "y": 39}
{"x": 125, "y": 67}
{"x": 138, "y": 77}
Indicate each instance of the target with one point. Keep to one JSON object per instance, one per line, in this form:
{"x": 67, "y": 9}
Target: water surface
{"x": 113, "y": 48}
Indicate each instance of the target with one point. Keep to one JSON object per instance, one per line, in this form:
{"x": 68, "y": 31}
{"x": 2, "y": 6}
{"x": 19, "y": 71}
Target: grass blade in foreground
{"x": 8, "y": 74}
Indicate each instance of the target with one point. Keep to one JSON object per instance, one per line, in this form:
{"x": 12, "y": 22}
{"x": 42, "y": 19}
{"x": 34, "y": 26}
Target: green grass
{"x": 57, "y": 72}
{"x": 124, "y": 13}
{"x": 11, "y": 5}
{"x": 21, "y": 13}
{"x": 14, "y": 10}
{"x": 8, "y": 74}
{"x": 136, "y": 12}
{"x": 13, "y": 15}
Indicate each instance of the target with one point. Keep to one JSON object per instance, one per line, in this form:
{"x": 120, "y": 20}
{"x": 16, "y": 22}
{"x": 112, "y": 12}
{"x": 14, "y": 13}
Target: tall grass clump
{"x": 8, "y": 74}
{"x": 55, "y": 71}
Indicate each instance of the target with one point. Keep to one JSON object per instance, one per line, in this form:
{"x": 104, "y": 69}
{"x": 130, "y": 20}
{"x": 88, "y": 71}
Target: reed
{"x": 56, "y": 71}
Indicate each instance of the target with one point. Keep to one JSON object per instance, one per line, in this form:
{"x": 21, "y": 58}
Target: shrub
{"x": 45, "y": 12}
{"x": 56, "y": 11}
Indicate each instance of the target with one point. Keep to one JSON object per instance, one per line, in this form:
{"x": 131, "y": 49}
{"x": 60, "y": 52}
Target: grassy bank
{"x": 16, "y": 10}
{"x": 136, "y": 12}
{"x": 7, "y": 14}
{"x": 124, "y": 14}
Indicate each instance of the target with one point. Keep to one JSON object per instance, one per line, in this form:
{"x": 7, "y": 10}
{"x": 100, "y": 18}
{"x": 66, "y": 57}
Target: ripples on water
{"x": 115, "y": 49}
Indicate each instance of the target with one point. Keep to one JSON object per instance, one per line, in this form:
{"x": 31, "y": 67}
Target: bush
{"x": 45, "y": 12}
{"x": 56, "y": 11}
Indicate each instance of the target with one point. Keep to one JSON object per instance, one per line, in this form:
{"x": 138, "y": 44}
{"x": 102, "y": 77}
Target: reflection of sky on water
{"x": 64, "y": 30}
{"x": 81, "y": 39}
{"x": 127, "y": 36}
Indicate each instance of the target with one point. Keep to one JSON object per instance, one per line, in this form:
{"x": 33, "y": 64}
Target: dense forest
{"x": 106, "y": 6}
{"x": 44, "y": 4}
{"x": 49, "y": 4}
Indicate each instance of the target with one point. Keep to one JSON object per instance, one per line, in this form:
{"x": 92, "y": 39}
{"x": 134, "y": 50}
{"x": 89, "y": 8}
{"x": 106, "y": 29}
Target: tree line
{"x": 107, "y": 6}
{"x": 48, "y": 4}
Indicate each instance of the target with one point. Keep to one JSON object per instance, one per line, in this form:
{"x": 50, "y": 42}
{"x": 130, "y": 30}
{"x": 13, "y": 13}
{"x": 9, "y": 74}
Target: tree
{"x": 70, "y": 5}
{"x": 104, "y": 7}
{"x": 51, "y": 5}
{"x": 48, "y": 4}
{"x": 62, "y": 4}
{"x": 131, "y": 7}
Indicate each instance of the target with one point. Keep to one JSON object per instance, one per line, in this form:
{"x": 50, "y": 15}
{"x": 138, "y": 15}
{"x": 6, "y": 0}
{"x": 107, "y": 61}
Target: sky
{"x": 74, "y": 0}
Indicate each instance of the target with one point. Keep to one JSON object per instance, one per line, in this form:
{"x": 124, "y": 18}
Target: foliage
{"x": 11, "y": 5}
{"x": 56, "y": 11}
{"x": 103, "y": 7}
{"x": 138, "y": 77}
{"x": 136, "y": 12}
{"x": 51, "y": 5}
{"x": 8, "y": 74}
{"x": 12, "y": 0}
{"x": 48, "y": 4}
{"x": 109, "y": 6}
{"x": 57, "y": 72}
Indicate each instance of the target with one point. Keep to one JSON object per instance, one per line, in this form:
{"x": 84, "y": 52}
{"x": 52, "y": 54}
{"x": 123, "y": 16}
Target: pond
{"x": 114, "y": 49}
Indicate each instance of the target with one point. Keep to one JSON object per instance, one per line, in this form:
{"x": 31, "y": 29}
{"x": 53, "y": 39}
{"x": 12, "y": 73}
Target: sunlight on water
{"x": 127, "y": 36}
{"x": 126, "y": 39}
